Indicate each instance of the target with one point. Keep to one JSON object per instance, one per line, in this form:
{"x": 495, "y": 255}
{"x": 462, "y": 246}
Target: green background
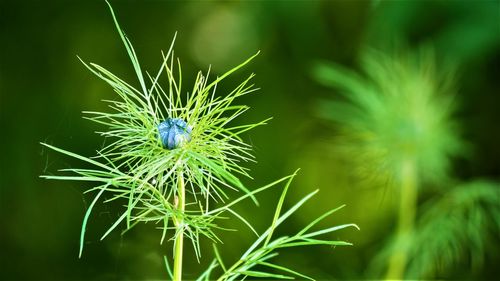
{"x": 44, "y": 88}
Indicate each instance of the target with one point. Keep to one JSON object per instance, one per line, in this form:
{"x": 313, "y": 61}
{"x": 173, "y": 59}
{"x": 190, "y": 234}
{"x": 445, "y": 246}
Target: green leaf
{"x": 221, "y": 172}
{"x": 218, "y": 257}
{"x": 330, "y": 229}
{"x": 167, "y": 266}
{"x": 265, "y": 187}
{"x": 264, "y": 274}
{"x": 206, "y": 274}
{"x": 83, "y": 158}
{"x": 130, "y": 51}
{"x": 285, "y": 269}
{"x": 117, "y": 222}
{"x": 278, "y": 208}
{"x": 317, "y": 220}
{"x": 86, "y": 217}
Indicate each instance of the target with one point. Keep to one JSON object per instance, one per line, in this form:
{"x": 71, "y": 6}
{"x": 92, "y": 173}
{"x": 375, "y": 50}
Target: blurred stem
{"x": 179, "y": 227}
{"x": 407, "y": 210}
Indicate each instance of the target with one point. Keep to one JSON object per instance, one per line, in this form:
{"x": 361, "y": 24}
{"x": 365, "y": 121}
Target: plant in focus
{"x": 396, "y": 125}
{"x": 173, "y": 159}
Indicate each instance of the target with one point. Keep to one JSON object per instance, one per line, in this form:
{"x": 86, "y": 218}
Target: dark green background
{"x": 44, "y": 88}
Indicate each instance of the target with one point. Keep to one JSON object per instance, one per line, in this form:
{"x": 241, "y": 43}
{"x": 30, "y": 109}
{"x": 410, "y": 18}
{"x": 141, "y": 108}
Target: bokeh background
{"x": 44, "y": 89}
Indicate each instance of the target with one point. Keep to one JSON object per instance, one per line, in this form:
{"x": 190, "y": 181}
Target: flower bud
{"x": 174, "y": 133}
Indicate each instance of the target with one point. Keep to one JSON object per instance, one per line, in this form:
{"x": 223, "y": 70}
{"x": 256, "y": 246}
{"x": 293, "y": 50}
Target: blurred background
{"x": 44, "y": 89}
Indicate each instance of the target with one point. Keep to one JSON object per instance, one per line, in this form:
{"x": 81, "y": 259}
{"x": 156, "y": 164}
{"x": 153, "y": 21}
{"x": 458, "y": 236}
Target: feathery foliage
{"x": 173, "y": 155}
{"x": 459, "y": 226}
{"x": 396, "y": 123}
{"x": 264, "y": 249}
{"x": 455, "y": 227}
{"x": 135, "y": 166}
{"x": 398, "y": 109}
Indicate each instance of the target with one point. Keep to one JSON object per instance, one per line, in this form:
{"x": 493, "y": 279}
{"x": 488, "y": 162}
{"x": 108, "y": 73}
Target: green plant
{"x": 396, "y": 124}
{"x": 396, "y": 115}
{"x": 453, "y": 228}
{"x": 457, "y": 226}
{"x": 173, "y": 160}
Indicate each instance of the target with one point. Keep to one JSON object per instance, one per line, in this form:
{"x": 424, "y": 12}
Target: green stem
{"x": 406, "y": 220}
{"x": 179, "y": 225}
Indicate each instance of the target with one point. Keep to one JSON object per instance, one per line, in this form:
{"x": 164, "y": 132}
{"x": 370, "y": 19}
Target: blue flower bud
{"x": 174, "y": 133}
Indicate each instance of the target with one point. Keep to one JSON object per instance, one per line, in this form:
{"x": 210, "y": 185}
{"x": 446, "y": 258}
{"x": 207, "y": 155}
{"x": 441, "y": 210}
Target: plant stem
{"x": 179, "y": 227}
{"x": 407, "y": 210}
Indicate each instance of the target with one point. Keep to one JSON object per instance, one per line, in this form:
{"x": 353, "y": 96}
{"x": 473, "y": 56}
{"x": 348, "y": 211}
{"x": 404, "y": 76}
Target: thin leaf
{"x": 278, "y": 222}
{"x": 278, "y": 208}
{"x": 85, "y": 219}
{"x": 167, "y": 266}
{"x": 218, "y": 257}
{"x": 264, "y": 274}
{"x": 285, "y": 269}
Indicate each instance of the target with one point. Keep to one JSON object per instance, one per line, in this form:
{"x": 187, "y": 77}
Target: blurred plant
{"x": 458, "y": 225}
{"x": 172, "y": 155}
{"x": 397, "y": 119}
{"x": 396, "y": 125}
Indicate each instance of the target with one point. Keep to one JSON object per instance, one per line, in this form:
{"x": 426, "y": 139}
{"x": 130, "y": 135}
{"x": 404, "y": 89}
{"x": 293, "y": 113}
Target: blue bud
{"x": 174, "y": 133}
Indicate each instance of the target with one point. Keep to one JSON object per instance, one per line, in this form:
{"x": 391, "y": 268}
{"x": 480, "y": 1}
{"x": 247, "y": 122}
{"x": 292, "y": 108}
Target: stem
{"x": 179, "y": 227}
{"x": 407, "y": 210}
